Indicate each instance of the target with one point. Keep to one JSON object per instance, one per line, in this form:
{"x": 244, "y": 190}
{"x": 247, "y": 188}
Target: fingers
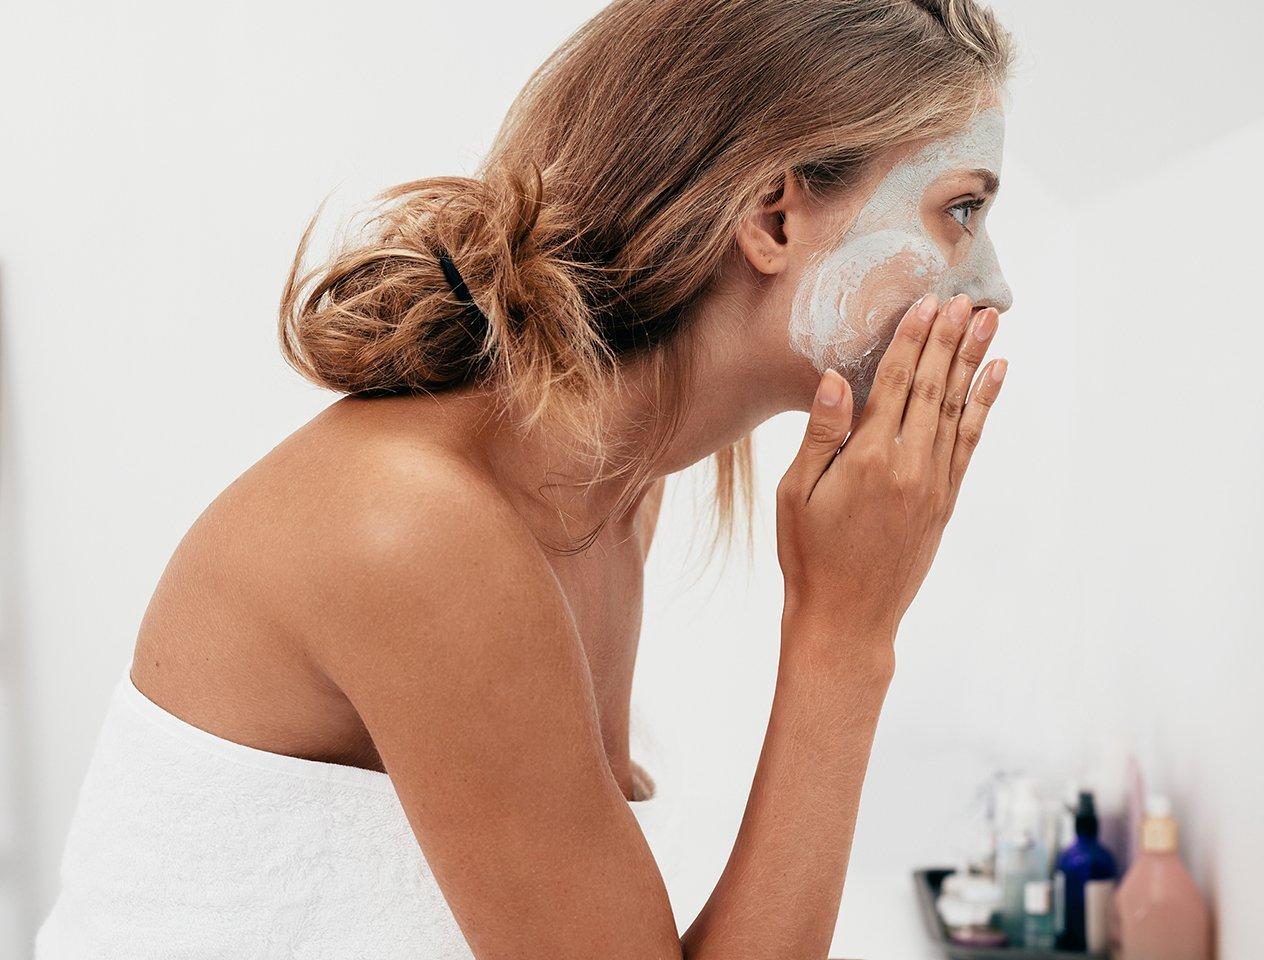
{"x": 971, "y": 429}
{"x": 889, "y": 394}
{"x": 974, "y": 346}
{"x": 827, "y": 428}
{"x": 926, "y": 394}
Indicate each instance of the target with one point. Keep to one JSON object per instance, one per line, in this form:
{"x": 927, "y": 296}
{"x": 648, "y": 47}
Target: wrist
{"x": 821, "y": 645}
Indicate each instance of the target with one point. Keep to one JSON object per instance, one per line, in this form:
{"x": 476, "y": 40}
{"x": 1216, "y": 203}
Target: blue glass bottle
{"x": 1084, "y": 860}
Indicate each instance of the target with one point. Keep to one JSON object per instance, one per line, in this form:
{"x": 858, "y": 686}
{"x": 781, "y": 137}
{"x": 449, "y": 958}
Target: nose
{"x": 1000, "y": 296}
{"x": 990, "y": 286}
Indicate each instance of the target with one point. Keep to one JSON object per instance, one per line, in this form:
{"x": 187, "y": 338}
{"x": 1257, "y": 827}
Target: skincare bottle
{"x": 1099, "y": 898}
{"x": 1083, "y": 862}
{"x": 1021, "y": 854}
{"x": 1160, "y": 914}
{"x": 1038, "y": 922}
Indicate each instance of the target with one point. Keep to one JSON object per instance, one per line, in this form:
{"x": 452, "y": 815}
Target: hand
{"x": 858, "y": 527}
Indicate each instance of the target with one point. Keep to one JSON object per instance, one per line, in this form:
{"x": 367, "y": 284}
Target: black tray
{"x": 928, "y": 882}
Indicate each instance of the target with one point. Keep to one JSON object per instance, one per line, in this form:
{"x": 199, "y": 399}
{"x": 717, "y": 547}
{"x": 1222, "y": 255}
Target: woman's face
{"x": 922, "y": 230}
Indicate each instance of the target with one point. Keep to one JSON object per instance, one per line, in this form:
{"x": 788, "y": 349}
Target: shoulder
{"x": 409, "y": 505}
{"x": 423, "y": 559}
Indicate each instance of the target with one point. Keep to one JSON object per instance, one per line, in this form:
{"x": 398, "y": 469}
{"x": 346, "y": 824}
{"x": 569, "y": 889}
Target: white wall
{"x": 1100, "y": 579}
{"x": 1171, "y": 455}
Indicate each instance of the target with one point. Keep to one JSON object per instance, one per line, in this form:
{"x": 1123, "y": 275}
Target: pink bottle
{"x": 1159, "y": 912}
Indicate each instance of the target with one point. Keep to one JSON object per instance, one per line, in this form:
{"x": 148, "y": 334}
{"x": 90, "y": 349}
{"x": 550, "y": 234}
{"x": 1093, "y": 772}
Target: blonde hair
{"x": 609, "y": 200}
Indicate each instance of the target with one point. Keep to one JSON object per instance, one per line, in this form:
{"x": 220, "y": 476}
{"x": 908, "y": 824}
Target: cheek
{"x": 856, "y": 296}
{"x": 886, "y": 292}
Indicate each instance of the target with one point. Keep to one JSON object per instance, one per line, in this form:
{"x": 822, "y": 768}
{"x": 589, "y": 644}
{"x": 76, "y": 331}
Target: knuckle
{"x": 971, "y": 356}
{"x": 939, "y": 500}
{"x": 906, "y": 477}
{"x": 969, "y": 435}
{"x": 895, "y": 375}
{"x": 821, "y": 433}
{"x": 946, "y": 337}
{"x": 868, "y": 463}
{"x": 871, "y": 454}
{"x": 928, "y": 390}
{"x": 952, "y": 405}
{"x": 912, "y": 332}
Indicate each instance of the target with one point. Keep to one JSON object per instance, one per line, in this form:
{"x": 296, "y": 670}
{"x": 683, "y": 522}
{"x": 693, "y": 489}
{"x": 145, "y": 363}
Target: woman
{"x": 379, "y": 701}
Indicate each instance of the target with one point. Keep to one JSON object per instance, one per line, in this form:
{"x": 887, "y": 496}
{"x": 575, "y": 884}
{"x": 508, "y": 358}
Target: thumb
{"x": 828, "y": 425}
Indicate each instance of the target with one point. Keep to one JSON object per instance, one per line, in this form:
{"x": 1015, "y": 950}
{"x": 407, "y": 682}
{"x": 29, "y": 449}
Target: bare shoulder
{"x": 354, "y": 553}
{"x": 429, "y": 600}
{"x": 422, "y": 550}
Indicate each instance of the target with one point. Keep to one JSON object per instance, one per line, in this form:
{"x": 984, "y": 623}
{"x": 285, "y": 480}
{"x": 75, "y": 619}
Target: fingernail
{"x": 927, "y": 307}
{"x": 958, "y": 308}
{"x": 998, "y": 370}
{"x": 985, "y": 324}
{"x": 831, "y": 389}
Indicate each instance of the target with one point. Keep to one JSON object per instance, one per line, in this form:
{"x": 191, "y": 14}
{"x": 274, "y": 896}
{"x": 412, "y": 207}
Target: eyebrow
{"x": 991, "y": 182}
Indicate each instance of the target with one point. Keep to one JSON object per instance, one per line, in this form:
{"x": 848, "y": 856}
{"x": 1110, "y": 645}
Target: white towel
{"x": 186, "y": 846}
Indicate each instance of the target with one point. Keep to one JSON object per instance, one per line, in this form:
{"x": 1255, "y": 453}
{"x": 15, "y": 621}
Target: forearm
{"x": 780, "y": 891}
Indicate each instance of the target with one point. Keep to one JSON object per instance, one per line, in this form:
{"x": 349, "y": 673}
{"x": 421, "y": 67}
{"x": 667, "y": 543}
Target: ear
{"x": 764, "y": 235}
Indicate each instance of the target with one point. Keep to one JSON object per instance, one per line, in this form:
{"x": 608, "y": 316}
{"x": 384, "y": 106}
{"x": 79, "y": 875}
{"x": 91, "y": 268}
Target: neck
{"x": 721, "y": 392}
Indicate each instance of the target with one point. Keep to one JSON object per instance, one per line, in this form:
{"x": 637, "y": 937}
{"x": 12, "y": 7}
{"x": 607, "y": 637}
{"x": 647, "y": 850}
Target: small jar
{"x": 967, "y": 905}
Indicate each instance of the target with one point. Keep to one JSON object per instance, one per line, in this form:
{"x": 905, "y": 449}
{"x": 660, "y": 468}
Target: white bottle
{"x": 1038, "y": 931}
{"x": 1021, "y": 854}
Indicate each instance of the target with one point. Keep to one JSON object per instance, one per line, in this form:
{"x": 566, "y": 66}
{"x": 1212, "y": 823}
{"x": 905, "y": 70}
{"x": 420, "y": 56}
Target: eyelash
{"x": 969, "y": 206}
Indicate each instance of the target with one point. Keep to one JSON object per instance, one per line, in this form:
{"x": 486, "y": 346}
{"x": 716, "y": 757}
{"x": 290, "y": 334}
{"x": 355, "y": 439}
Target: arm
{"x": 840, "y": 513}
{"x": 459, "y": 654}
{"x": 780, "y": 892}
{"x": 465, "y": 666}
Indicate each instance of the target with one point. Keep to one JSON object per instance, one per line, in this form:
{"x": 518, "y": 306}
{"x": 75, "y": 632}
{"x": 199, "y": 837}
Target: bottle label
{"x": 1098, "y": 895}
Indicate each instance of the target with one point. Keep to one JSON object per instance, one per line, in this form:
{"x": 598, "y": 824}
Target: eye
{"x": 963, "y": 212}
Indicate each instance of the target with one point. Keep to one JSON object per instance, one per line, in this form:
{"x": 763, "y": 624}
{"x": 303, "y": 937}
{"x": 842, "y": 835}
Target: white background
{"x": 1098, "y": 591}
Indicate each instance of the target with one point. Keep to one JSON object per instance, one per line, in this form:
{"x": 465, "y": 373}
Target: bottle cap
{"x": 1085, "y": 816}
{"x": 1158, "y": 805}
{"x": 1158, "y": 830}
{"x": 1037, "y": 897}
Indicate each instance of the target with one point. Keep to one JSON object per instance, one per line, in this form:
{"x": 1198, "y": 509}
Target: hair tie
{"x": 457, "y": 283}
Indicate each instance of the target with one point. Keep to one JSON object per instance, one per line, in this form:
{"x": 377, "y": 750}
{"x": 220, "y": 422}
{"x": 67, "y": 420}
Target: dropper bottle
{"x": 1082, "y": 863}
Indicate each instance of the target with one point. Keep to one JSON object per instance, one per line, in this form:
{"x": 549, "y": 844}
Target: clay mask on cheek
{"x": 849, "y": 301}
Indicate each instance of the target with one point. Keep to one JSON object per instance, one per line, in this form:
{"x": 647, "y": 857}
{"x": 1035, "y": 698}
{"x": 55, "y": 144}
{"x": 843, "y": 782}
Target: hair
{"x": 609, "y": 201}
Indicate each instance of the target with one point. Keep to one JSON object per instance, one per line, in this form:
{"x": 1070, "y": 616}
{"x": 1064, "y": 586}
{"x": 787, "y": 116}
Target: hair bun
{"x": 383, "y": 317}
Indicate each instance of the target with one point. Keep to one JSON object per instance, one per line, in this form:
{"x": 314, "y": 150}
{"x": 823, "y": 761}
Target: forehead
{"x": 978, "y": 145}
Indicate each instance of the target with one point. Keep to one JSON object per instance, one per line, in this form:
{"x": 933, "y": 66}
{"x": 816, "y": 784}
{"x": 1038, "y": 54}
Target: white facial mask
{"x": 849, "y": 302}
